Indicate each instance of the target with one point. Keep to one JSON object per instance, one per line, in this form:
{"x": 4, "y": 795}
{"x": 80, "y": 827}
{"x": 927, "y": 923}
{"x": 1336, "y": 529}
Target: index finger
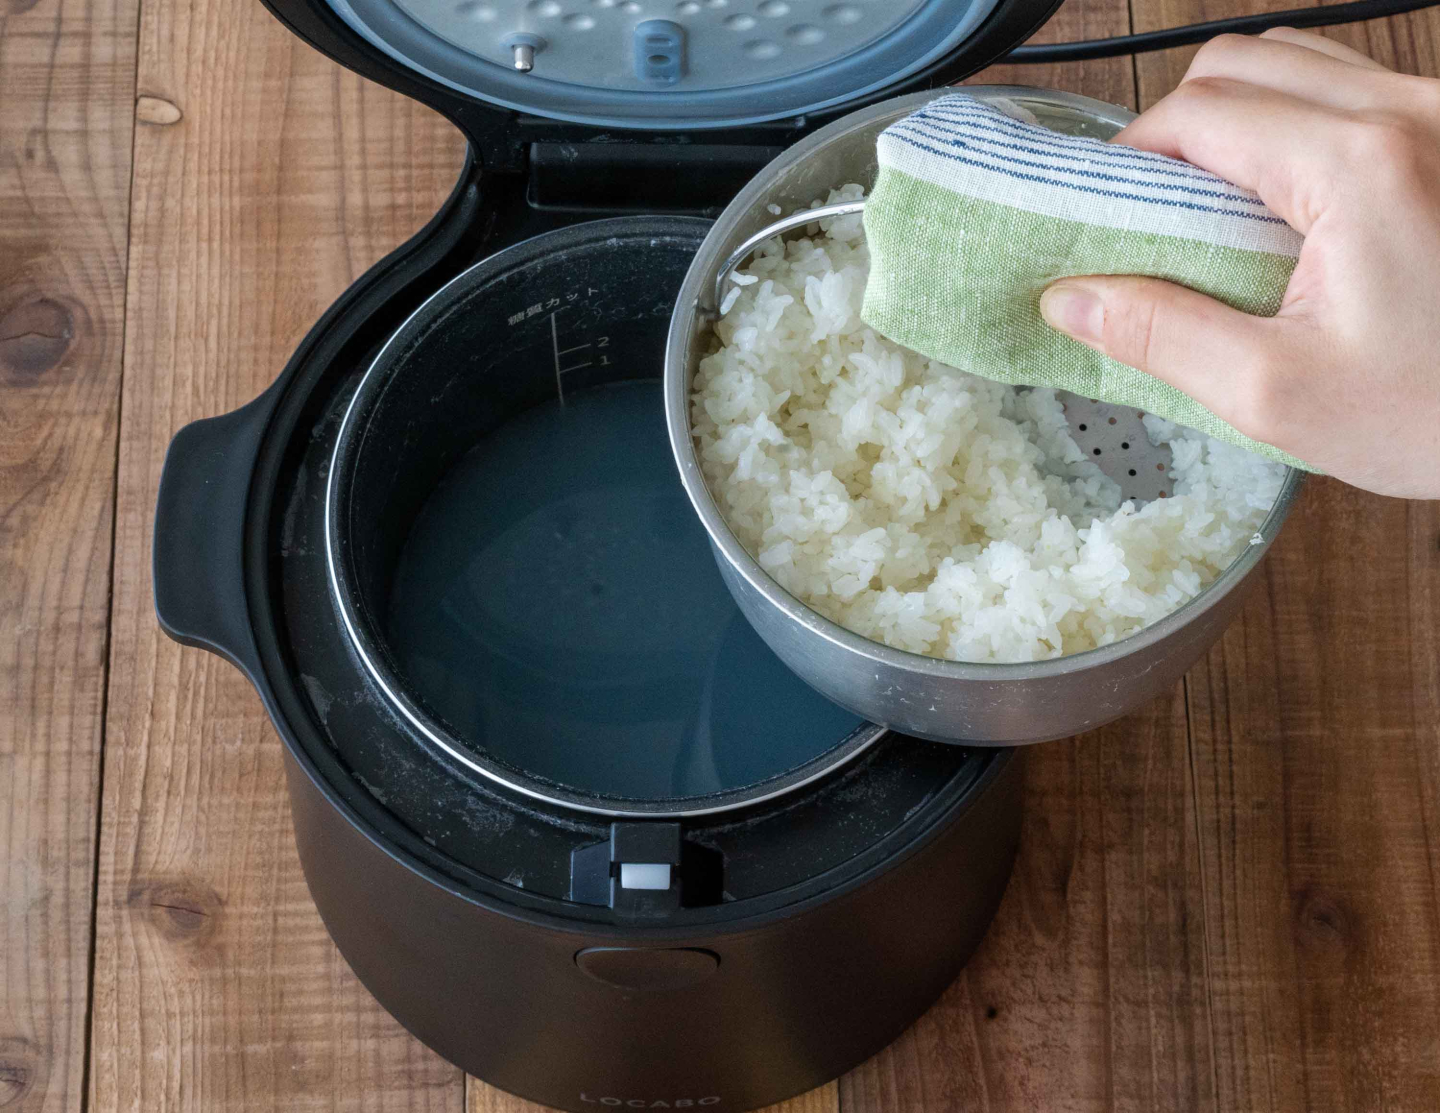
{"x": 1298, "y": 68}
{"x": 1319, "y": 43}
{"x": 1262, "y": 140}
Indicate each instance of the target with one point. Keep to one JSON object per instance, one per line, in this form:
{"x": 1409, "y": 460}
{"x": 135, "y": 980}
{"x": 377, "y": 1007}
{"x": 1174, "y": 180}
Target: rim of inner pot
{"x": 371, "y": 642}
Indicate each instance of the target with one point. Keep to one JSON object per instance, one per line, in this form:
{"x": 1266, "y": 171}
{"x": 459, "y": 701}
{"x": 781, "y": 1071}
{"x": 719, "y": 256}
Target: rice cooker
{"x": 564, "y": 812}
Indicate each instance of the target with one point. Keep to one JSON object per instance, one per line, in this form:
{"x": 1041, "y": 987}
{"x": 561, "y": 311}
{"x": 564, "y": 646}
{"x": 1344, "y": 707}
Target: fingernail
{"x": 1074, "y": 310}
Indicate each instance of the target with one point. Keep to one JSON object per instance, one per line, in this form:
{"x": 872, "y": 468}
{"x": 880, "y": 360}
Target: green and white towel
{"x": 975, "y": 213}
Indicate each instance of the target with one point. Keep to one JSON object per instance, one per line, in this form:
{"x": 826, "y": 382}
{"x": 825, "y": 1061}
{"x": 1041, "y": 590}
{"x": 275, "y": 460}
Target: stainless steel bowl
{"x": 982, "y": 704}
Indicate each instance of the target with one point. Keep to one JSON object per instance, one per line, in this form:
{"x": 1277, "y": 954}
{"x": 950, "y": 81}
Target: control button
{"x": 647, "y": 968}
{"x": 644, "y": 875}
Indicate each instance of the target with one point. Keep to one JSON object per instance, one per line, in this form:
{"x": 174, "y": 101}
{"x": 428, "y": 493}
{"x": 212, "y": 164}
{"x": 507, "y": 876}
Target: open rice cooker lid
{"x": 660, "y": 65}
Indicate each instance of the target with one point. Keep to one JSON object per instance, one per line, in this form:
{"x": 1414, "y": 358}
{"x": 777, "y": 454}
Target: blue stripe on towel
{"x": 894, "y": 130}
{"x": 978, "y": 111}
{"x": 956, "y": 140}
{"x": 1078, "y": 152}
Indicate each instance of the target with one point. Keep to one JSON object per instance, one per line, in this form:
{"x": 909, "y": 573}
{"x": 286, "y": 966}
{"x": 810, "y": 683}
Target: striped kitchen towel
{"x": 974, "y": 213}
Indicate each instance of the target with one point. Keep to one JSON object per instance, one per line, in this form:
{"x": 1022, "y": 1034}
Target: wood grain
{"x": 67, "y": 72}
{"x": 1089, "y": 991}
{"x": 1316, "y": 730}
{"x": 1315, "y": 745}
{"x": 266, "y": 180}
{"x": 1315, "y": 748}
{"x": 1107, "y": 79}
{"x": 481, "y": 1098}
{"x": 1410, "y": 43}
{"x": 1315, "y": 725}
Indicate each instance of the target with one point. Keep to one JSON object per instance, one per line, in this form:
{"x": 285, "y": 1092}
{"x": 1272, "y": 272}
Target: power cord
{"x": 1325, "y": 16}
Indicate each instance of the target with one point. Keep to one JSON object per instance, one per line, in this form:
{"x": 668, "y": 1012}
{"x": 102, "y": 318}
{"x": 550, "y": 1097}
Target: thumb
{"x": 1202, "y": 347}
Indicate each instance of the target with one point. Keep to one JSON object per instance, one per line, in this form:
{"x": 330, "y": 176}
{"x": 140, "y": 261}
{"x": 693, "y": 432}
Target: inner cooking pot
{"x": 516, "y": 563}
{"x": 994, "y": 704}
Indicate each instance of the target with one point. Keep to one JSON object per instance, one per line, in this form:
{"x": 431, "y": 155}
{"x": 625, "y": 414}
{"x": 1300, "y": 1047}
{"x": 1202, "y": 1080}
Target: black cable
{"x": 1325, "y": 16}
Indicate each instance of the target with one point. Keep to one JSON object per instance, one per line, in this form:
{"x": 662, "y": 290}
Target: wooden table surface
{"x": 1229, "y": 900}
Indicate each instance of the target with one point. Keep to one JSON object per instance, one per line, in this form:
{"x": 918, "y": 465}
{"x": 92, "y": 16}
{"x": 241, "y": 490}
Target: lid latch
{"x": 645, "y": 869}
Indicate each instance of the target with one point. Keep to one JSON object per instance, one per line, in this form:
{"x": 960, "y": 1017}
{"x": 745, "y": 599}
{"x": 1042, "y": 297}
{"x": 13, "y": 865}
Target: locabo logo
{"x": 647, "y": 1103}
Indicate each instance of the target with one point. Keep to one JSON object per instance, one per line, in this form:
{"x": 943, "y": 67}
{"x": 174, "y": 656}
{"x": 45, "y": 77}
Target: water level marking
{"x": 555, "y": 347}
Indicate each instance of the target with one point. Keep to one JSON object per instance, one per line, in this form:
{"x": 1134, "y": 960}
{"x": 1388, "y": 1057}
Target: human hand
{"x": 1346, "y": 376}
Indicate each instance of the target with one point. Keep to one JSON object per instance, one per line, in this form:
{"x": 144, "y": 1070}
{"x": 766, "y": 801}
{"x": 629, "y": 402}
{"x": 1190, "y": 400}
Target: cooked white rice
{"x": 929, "y": 509}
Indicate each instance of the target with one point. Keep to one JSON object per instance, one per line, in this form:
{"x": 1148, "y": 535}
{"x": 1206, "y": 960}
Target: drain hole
{"x": 1125, "y": 444}
{"x": 1132, "y": 471}
{"x": 1083, "y": 428}
{"x": 1112, "y": 421}
{"x": 1097, "y": 452}
{"x": 1159, "y": 467}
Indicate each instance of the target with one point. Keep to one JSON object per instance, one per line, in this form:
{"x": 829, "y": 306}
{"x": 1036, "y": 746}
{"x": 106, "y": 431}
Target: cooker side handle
{"x": 198, "y": 556}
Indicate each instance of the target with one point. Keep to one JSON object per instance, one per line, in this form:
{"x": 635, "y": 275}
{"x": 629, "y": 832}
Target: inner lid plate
{"x": 665, "y": 64}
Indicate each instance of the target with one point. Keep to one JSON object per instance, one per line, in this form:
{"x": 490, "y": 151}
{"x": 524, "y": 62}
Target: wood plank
{"x": 1089, "y": 991}
{"x": 487, "y": 1099}
{"x": 1316, "y": 742}
{"x": 68, "y": 75}
{"x": 1316, "y": 728}
{"x": 1409, "y": 42}
{"x": 1107, "y": 79}
{"x": 267, "y": 181}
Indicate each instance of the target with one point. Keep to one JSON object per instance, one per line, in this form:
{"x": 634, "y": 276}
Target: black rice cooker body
{"x": 672, "y": 1018}
{"x": 860, "y": 896}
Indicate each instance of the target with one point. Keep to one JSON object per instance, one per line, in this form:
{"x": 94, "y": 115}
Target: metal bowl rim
{"x": 699, "y": 279}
